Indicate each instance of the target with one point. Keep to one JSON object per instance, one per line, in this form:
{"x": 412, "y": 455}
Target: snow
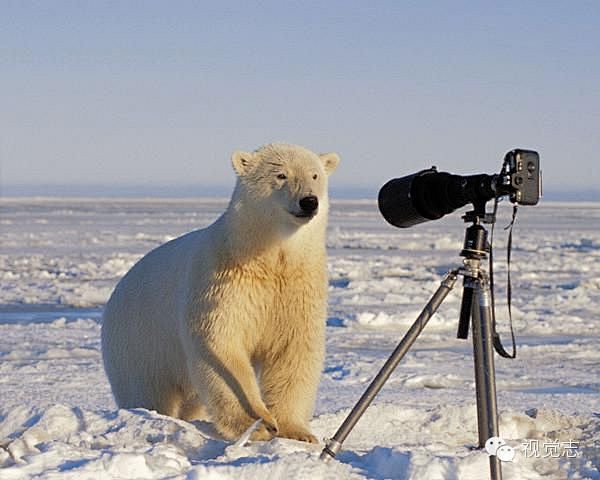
{"x": 60, "y": 259}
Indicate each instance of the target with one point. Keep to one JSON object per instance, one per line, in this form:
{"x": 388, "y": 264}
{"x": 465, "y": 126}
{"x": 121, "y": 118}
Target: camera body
{"x": 523, "y": 176}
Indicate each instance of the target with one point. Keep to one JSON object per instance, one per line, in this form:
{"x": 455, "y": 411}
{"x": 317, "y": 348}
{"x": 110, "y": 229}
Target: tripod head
{"x": 475, "y": 244}
{"x": 479, "y": 214}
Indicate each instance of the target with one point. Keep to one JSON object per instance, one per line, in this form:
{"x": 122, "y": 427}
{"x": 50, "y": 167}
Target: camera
{"x": 523, "y": 170}
{"x": 429, "y": 194}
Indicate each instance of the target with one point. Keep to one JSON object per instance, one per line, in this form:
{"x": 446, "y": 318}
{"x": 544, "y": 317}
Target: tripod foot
{"x": 332, "y": 447}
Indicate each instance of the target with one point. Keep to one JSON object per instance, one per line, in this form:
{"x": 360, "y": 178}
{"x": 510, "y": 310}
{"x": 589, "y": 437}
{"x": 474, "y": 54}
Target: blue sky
{"x": 161, "y": 93}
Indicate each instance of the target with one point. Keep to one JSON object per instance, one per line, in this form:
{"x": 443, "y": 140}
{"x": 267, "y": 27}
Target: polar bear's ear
{"x": 330, "y": 161}
{"x": 243, "y": 162}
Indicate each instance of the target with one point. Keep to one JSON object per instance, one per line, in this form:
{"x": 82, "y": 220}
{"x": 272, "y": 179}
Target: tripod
{"x": 476, "y": 309}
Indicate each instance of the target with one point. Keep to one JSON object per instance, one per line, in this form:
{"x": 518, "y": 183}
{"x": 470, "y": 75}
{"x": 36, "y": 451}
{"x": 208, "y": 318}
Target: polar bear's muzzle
{"x": 308, "y": 207}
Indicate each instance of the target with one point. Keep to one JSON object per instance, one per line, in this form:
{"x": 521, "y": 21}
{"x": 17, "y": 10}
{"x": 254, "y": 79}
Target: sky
{"x": 159, "y": 94}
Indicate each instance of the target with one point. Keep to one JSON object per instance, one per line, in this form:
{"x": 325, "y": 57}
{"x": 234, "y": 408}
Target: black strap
{"x": 491, "y": 266}
{"x": 497, "y": 342}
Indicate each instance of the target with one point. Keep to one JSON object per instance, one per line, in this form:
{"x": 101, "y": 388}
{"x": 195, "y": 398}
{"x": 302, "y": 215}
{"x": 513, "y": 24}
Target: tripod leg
{"x": 478, "y": 357}
{"x": 485, "y": 373}
{"x": 334, "y": 445}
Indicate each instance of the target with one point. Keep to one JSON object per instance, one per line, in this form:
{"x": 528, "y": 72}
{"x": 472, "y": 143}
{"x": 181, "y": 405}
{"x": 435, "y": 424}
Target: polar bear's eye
{"x": 281, "y": 176}
{"x": 315, "y": 176}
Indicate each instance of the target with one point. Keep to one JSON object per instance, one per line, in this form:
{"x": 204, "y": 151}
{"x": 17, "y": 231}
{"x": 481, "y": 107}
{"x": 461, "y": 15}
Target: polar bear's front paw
{"x": 298, "y": 433}
{"x": 267, "y": 429}
{"x": 261, "y": 434}
{"x": 269, "y": 422}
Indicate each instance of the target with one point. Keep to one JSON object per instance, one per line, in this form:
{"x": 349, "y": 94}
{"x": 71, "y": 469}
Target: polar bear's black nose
{"x": 309, "y": 204}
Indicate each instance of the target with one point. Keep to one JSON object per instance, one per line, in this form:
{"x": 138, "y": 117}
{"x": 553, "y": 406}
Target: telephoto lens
{"x": 429, "y": 195}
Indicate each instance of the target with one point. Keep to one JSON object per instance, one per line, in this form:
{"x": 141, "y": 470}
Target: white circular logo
{"x": 492, "y": 445}
{"x": 505, "y": 453}
{"x": 497, "y": 446}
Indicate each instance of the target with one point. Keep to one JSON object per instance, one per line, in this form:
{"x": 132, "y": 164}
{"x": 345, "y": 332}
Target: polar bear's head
{"x": 286, "y": 184}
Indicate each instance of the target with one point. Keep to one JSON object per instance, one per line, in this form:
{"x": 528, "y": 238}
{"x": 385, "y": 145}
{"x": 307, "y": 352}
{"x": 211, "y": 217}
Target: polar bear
{"x": 227, "y": 323}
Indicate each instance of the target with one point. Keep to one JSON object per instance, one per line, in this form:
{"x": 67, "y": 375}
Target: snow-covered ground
{"x": 60, "y": 259}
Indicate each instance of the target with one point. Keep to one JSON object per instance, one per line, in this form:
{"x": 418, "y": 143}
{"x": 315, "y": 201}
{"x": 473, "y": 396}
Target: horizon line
{"x": 198, "y": 191}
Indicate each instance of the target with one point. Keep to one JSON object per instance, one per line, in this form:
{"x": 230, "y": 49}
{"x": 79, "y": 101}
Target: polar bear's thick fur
{"x": 227, "y": 323}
